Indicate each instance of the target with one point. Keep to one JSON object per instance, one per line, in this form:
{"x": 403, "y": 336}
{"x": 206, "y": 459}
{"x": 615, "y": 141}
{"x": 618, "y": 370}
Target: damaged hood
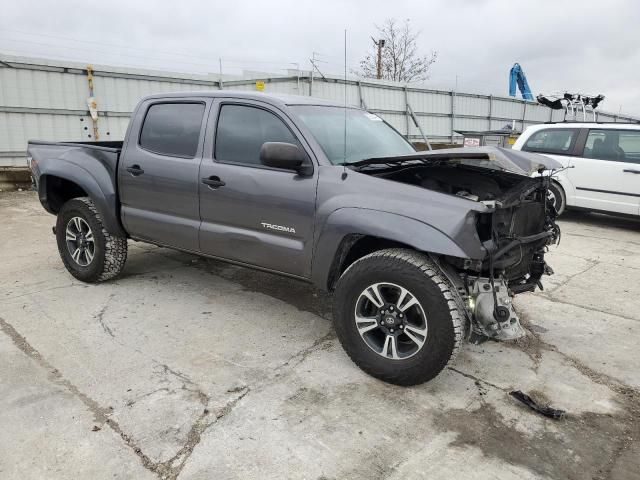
{"x": 515, "y": 161}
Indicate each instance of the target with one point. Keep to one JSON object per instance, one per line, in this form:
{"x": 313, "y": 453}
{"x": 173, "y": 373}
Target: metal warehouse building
{"x": 54, "y": 100}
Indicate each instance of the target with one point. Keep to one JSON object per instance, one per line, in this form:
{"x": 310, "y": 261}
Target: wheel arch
{"x": 57, "y": 187}
{"x": 349, "y": 235}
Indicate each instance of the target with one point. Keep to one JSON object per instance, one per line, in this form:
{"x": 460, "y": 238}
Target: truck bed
{"x": 110, "y": 144}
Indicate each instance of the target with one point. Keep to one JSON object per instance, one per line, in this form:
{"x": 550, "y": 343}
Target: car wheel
{"x": 395, "y": 316}
{"x": 557, "y": 197}
{"x": 88, "y": 251}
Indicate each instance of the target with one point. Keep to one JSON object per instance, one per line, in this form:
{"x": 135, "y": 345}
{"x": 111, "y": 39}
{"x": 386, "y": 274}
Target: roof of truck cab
{"x": 275, "y": 99}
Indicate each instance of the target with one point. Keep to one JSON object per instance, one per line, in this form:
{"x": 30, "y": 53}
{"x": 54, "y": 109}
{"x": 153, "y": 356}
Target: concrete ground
{"x": 189, "y": 368}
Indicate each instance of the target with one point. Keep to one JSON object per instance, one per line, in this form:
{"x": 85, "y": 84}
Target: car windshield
{"x": 367, "y": 135}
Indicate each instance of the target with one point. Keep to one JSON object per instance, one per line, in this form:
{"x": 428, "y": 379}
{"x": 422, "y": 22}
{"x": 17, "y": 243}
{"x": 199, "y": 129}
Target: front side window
{"x": 367, "y": 135}
{"x": 616, "y": 145}
{"x": 552, "y": 140}
{"x": 242, "y": 130}
{"x": 172, "y": 129}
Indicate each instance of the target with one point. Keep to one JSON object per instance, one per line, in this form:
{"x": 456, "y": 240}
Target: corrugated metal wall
{"x": 47, "y": 100}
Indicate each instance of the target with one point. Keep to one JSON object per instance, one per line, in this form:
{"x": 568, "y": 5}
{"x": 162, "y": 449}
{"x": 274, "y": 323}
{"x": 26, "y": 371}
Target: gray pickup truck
{"x": 418, "y": 247}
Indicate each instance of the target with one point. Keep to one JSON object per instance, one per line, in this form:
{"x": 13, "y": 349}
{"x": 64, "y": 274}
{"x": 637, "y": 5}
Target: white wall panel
{"x": 432, "y": 126}
{"x": 478, "y": 106}
{"x": 537, "y": 113}
{"x": 16, "y": 129}
{"x": 476, "y": 124}
{"x": 429, "y": 102}
{"x": 60, "y": 93}
{"x": 507, "y": 109}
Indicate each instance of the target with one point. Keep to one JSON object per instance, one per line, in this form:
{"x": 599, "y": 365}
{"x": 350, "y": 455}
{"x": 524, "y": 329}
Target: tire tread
{"x": 115, "y": 255}
{"x": 427, "y": 267}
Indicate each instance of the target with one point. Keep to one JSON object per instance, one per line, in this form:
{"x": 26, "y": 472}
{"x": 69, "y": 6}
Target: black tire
{"x": 416, "y": 273}
{"x": 560, "y": 198}
{"x": 109, "y": 251}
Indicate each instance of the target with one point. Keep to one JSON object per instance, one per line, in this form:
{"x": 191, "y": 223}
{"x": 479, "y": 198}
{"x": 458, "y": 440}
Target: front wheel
{"x": 557, "y": 197}
{"x": 395, "y": 316}
{"x": 88, "y": 251}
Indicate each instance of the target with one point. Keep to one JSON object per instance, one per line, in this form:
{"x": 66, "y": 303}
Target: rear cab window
{"x": 172, "y": 129}
{"x": 552, "y": 140}
{"x": 613, "y": 145}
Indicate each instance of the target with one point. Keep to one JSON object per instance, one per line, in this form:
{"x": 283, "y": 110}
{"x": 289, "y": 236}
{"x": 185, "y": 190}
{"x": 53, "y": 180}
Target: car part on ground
{"x": 545, "y": 410}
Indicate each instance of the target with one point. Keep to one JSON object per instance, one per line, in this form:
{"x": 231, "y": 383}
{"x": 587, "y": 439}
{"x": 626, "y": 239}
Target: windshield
{"x": 368, "y": 136}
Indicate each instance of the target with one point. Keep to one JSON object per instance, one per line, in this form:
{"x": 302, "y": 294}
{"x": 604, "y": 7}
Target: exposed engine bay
{"x": 516, "y": 229}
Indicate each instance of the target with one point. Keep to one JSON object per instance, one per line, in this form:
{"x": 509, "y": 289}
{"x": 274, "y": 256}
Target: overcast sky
{"x": 575, "y": 45}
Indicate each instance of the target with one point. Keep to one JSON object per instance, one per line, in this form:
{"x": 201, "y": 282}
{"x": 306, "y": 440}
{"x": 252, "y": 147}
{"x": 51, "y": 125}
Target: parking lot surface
{"x": 194, "y": 369}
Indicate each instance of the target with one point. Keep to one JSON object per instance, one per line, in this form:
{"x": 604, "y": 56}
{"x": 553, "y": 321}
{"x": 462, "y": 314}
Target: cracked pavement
{"x": 193, "y": 369}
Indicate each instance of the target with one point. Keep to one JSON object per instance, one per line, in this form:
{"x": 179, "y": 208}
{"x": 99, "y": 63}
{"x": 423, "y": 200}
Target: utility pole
{"x": 380, "y": 45}
{"x": 220, "y": 86}
{"x": 313, "y": 66}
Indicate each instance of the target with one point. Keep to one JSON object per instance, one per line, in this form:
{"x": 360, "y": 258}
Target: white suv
{"x": 604, "y": 161}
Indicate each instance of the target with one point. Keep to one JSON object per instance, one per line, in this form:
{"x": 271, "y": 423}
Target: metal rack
{"x": 572, "y": 104}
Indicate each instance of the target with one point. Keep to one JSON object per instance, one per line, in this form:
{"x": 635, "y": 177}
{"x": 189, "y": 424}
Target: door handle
{"x": 629, "y": 170}
{"x": 135, "y": 170}
{"x": 213, "y": 182}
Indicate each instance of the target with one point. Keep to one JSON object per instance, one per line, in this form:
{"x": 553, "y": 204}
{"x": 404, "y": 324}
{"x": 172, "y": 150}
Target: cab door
{"x": 158, "y": 172}
{"x": 251, "y": 213}
{"x": 606, "y": 176}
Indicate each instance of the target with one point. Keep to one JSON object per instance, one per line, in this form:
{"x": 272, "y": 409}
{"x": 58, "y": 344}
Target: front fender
{"x": 390, "y": 226}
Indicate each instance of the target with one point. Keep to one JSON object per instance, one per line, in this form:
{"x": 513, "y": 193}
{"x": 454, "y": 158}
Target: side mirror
{"x": 286, "y": 156}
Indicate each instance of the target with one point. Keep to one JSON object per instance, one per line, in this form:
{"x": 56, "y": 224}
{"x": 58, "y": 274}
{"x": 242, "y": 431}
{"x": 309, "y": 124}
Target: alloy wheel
{"x": 80, "y": 241}
{"x": 391, "y": 321}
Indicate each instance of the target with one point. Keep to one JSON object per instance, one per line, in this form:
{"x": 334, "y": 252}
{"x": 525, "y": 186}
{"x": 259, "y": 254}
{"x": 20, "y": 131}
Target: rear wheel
{"x": 395, "y": 316}
{"x": 88, "y": 251}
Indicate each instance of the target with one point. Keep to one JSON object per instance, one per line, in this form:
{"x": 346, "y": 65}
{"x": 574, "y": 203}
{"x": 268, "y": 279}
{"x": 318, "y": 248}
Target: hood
{"x": 515, "y": 161}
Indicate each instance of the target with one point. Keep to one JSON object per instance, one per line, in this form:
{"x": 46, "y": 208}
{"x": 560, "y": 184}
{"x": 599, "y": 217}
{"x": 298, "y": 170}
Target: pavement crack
{"x": 101, "y": 414}
{"x": 303, "y": 354}
{"x": 592, "y": 264}
{"x": 538, "y": 345}
{"x": 168, "y": 470}
{"x": 171, "y": 469}
{"x": 552, "y": 298}
{"x": 5, "y": 299}
{"x": 573, "y": 234}
{"x": 99, "y": 316}
{"x": 479, "y": 382}
{"x": 187, "y": 384}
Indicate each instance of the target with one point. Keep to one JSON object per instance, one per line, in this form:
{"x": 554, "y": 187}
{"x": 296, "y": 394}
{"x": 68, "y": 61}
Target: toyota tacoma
{"x": 421, "y": 249}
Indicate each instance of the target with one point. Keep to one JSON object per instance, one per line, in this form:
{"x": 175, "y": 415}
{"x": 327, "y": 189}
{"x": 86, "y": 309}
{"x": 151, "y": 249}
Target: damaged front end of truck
{"x": 514, "y": 224}
{"x": 516, "y": 233}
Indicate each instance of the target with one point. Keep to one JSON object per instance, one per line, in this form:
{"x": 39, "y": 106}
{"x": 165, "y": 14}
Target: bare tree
{"x": 400, "y": 60}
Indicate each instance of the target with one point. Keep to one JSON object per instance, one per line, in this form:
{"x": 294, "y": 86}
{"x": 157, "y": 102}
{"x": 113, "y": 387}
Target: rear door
{"x": 606, "y": 175}
{"x": 251, "y": 213}
{"x": 561, "y": 144}
{"x": 158, "y": 172}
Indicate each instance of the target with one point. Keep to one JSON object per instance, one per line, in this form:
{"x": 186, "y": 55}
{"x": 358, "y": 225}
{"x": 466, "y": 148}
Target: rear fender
{"x": 99, "y": 187}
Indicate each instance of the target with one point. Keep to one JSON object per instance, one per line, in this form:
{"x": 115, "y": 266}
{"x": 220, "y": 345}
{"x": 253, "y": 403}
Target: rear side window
{"x": 554, "y": 140}
{"x": 242, "y": 130}
{"x": 616, "y": 145}
{"x": 172, "y": 129}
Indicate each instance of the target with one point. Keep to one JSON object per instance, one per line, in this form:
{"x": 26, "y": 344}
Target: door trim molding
{"x": 608, "y": 191}
{"x": 198, "y": 253}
